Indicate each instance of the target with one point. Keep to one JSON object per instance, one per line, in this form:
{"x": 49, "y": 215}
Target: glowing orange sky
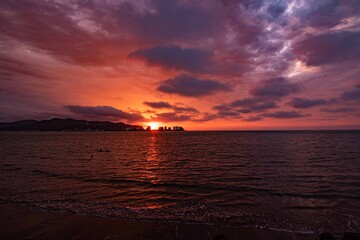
{"x": 198, "y": 64}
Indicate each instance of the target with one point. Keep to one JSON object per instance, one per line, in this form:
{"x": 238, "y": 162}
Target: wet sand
{"x": 19, "y": 222}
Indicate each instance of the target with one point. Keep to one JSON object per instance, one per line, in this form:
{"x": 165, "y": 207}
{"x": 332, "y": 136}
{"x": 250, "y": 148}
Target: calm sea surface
{"x": 304, "y": 181}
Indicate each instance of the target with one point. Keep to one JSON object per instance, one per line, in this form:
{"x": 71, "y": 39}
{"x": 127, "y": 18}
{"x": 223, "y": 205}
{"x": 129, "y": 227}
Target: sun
{"x": 154, "y": 125}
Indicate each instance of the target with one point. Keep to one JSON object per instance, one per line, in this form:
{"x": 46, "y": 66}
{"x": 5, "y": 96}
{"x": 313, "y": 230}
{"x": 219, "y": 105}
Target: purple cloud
{"x": 339, "y": 110}
{"x": 11, "y": 69}
{"x": 352, "y": 95}
{"x": 175, "y": 57}
{"x": 253, "y": 119}
{"x": 307, "y": 103}
{"x": 326, "y": 13}
{"x": 158, "y": 104}
{"x": 184, "y": 117}
{"x": 275, "y": 87}
{"x": 283, "y": 114}
{"x": 189, "y": 86}
{"x": 329, "y": 48}
{"x": 177, "y": 108}
{"x": 225, "y": 110}
{"x": 105, "y": 111}
{"x": 172, "y": 117}
{"x": 256, "y": 104}
{"x": 171, "y": 20}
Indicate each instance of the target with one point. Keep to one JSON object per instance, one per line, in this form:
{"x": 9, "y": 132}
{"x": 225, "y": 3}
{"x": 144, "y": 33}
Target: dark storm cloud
{"x": 175, "y": 57}
{"x": 158, "y": 104}
{"x": 352, "y": 95}
{"x": 189, "y": 86}
{"x": 283, "y": 114}
{"x": 307, "y": 103}
{"x": 276, "y": 87}
{"x": 329, "y": 48}
{"x": 104, "y": 111}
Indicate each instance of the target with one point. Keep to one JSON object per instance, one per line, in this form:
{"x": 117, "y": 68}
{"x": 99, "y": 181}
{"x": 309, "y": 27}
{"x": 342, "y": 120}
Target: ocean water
{"x": 302, "y": 181}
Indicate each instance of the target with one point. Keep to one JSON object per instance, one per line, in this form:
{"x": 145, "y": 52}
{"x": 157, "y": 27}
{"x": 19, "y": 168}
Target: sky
{"x": 203, "y": 65}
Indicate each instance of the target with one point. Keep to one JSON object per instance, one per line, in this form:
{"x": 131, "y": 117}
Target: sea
{"x": 294, "y": 181}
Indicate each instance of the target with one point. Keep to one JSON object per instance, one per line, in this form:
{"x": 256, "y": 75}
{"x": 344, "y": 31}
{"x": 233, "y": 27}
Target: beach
{"x": 20, "y": 222}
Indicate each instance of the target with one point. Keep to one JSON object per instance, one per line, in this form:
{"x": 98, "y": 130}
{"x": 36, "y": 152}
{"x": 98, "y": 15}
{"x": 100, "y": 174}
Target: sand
{"x": 20, "y": 222}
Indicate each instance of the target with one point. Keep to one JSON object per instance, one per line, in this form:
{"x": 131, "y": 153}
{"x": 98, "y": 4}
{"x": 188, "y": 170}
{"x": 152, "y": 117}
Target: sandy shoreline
{"x": 19, "y": 222}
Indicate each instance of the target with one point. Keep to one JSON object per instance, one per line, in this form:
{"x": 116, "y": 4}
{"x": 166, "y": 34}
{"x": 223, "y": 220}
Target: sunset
{"x": 206, "y": 65}
{"x": 180, "y": 119}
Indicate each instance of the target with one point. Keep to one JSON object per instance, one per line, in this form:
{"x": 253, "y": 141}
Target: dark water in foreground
{"x": 293, "y": 181}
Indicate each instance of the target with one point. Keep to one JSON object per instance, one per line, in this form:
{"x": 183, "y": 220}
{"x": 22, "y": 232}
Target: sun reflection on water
{"x": 152, "y": 159}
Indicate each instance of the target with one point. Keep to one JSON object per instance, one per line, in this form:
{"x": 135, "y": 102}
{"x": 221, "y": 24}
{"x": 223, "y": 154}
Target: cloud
{"x": 256, "y": 104}
{"x": 205, "y": 117}
{"x": 104, "y": 111}
{"x": 275, "y": 87}
{"x": 184, "y": 109}
{"x": 307, "y": 103}
{"x": 351, "y": 95}
{"x": 326, "y": 13}
{"x": 225, "y": 110}
{"x": 108, "y": 28}
{"x": 187, "y": 117}
{"x": 170, "y": 20}
{"x": 339, "y": 110}
{"x": 177, "y": 107}
{"x": 158, "y": 105}
{"x": 12, "y": 69}
{"x": 189, "y": 86}
{"x": 175, "y": 57}
{"x": 276, "y": 9}
{"x": 327, "y": 48}
{"x": 253, "y": 119}
{"x": 172, "y": 117}
{"x": 51, "y": 49}
{"x": 180, "y": 113}
{"x": 283, "y": 114}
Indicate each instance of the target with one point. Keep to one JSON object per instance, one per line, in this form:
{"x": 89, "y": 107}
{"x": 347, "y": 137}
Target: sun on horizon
{"x": 154, "y": 125}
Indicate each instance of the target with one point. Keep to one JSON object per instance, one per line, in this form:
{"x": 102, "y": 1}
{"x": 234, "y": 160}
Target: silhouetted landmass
{"x": 175, "y": 128}
{"x": 57, "y": 124}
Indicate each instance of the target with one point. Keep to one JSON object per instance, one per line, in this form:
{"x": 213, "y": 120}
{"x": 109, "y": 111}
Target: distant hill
{"x": 57, "y": 124}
